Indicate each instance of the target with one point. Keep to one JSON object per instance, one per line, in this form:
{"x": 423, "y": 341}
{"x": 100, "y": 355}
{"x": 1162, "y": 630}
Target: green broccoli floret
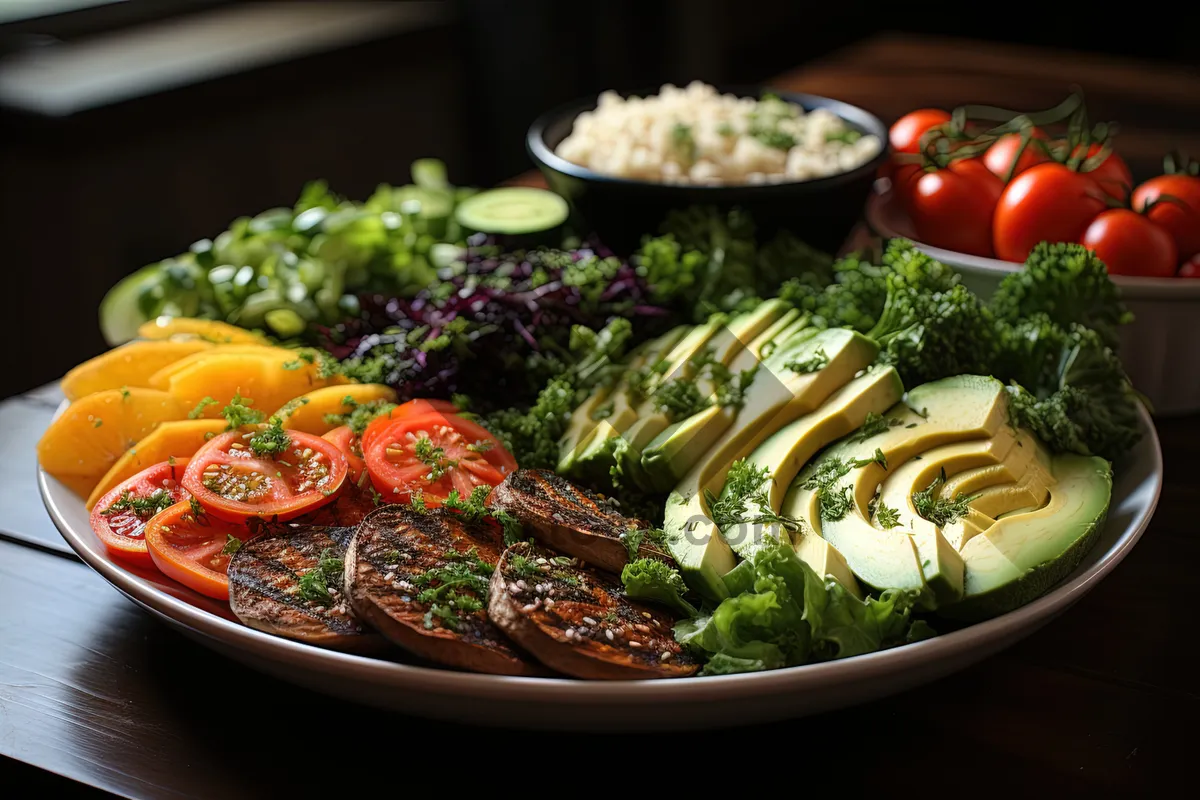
{"x": 902, "y": 259}
{"x": 931, "y": 335}
{"x": 1068, "y": 284}
{"x": 854, "y": 300}
{"x": 1083, "y": 401}
{"x": 657, "y": 581}
{"x": 670, "y": 271}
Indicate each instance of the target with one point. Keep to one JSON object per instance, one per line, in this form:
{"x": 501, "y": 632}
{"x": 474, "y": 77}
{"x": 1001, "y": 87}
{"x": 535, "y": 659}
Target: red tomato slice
{"x": 194, "y": 550}
{"x": 434, "y": 453}
{"x": 234, "y": 484}
{"x": 344, "y": 439}
{"x": 422, "y": 405}
{"x": 1130, "y": 244}
{"x": 119, "y": 518}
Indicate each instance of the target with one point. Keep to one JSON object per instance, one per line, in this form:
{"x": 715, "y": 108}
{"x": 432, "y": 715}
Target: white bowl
{"x": 1158, "y": 347}
{"x": 685, "y": 703}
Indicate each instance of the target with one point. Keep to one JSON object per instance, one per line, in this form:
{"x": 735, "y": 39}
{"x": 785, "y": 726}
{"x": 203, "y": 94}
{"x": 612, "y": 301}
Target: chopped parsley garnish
{"x": 125, "y": 393}
{"x": 454, "y": 588}
{"x": 482, "y": 446}
{"x": 780, "y": 140}
{"x": 142, "y": 507}
{"x": 292, "y": 406}
{"x": 873, "y": 426}
{"x": 847, "y": 136}
{"x": 460, "y": 401}
{"x": 472, "y": 508}
{"x": 603, "y": 411}
{"x": 634, "y": 537}
{"x": 744, "y": 499}
{"x": 524, "y": 567}
{"x": 360, "y": 415}
{"x": 732, "y": 393}
{"x": 940, "y": 511}
{"x": 836, "y": 500}
{"x": 198, "y": 411}
{"x": 197, "y": 509}
{"x": 271, "y": 441}
{"x": 232, "y": 545}
{"x": 239, "y": 413}
{"x": 680, "y": 399}
{"x": 433, "y": 457}
{"x": 814, "y": 363}
{"x": 888, "y": 517}
{"x": 725, "y": 129}
{"x": 314, "y": 584}
{"x": 97, "y": 423}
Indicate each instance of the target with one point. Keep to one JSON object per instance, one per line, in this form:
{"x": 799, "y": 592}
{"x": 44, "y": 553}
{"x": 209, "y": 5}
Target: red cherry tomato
{"x": 433, "y": 454}
{"x": 1190, "y": 268}
{"x": 119, "y": 518}
{"x": 1178, "y": 212}
{"x": 1046, "y": 203}
{"x": 1112, "y": 174}
{"x": 1130, "y": 244}
{"x": 999, "y": 157}
{"x": 194, "y": 549}
{"x": 953, "y": 207}
{"x": 234, "y": 484}
{"x": 905, "y": 135}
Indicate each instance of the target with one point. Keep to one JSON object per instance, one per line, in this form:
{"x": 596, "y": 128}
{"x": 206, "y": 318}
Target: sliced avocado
{"x": 671, "y": 453}
{"x": 595, "y": 451}
{"x": 940, "y": 563}
{"x": 777, "y": 396}
{"x": 1021, "y": 556}
{"x": 963, "y": 529}
{"x": 1028, "y": 450}
{"x": 726, "y": 344}
{"x": 597, "y": 405}
{"x": 995, "y": 501}
{"x": 790, "y": 447}
{"x": 955, "y": 409}
{"x": 825, "y": 560}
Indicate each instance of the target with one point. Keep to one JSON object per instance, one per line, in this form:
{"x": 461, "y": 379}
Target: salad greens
{"x": 780, "y": 613}
{"x": 286, "y": 268}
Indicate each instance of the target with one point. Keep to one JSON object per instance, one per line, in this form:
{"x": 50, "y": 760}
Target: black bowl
{"x": 620, "y": 211}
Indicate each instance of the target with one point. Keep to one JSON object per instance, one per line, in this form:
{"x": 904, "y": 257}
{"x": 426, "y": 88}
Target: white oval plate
{"x": 641, "y": 705}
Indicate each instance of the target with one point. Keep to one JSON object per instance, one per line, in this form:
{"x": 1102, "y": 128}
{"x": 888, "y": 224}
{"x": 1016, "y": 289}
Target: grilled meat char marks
{"x": 265, "y": 587}
{"x": 576, "y": 620}
{"x": 570, "y": 519}
{"x": 398, "y": 560}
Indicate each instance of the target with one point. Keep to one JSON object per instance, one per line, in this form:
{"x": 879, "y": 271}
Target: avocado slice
{"x": 790, "y": 447}
{"x": 601, "y": 403}
{"x": 1022, "y": 555}
{"x": 597, "y": 450}
{"x": 963, "y": 529}
{"x": 671, "y": 453}
{"x": 1029, "y": 492}
{"x": 951, "y": 410}
{"x": 777, "y": 396}
{"x": 1028, "y": 454}
{"x": 725, "y": 345}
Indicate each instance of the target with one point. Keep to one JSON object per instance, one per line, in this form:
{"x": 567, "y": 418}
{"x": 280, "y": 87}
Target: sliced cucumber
{"x": 512, "y": 211}
{"x": 120, "y": 311}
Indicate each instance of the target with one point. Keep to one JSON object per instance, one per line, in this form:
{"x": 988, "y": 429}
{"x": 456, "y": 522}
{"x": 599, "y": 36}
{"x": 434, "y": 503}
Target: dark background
{"x": 133, "y": 170}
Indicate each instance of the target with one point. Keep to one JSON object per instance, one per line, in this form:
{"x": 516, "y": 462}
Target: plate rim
{"x": 412, "y": 677}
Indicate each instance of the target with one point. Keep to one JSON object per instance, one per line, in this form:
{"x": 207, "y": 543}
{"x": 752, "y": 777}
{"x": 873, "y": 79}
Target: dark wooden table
{"x": 94, "y": 690}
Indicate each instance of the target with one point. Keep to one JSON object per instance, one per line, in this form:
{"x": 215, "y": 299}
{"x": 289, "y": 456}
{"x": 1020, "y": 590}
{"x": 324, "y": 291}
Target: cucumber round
{"x": 512, "y": 211}
{"x": 120, "y": 311}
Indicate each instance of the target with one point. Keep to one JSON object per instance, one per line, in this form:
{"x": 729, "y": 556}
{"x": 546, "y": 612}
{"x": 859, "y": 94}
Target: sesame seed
{"x": 641, "y": 628}
{"x": 634, "y": 644}
{"x": 542, "y": 561}
{"x": 522, "y": 586}
{"x": 389, "y": 576}
{"x": 514, "y": 589}
{"x": 589, "y": 620}
{"x": 406, "y": 599}
{"x": 609, "y": 635}
{"x": 569, "y": 633}
{"x": 319, "y": 609}
{"x": 666, "y": 656}
{"x": 646, "y": 614}
{"x": 529, "y": 607}
{"x": 549, "y": 602}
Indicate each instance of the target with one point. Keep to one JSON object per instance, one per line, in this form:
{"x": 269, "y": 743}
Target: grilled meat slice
{"x": 421, "y": 579}
{"x": 576, "y": 620}
{"x": 570, "y": 519}
{"x": 268, "y": 588}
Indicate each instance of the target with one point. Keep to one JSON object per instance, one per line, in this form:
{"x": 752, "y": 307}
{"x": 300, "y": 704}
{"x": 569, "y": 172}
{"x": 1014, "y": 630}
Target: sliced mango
{"x": 161, "y": 379}
{"x": 128, "y": 365}
{"x": 95, "y": 431}
{"x": 207, "y": 329}
{"x": 178, "y": 439}
{"x": 307, "y": 412}
{"x": 269, "y": 381}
